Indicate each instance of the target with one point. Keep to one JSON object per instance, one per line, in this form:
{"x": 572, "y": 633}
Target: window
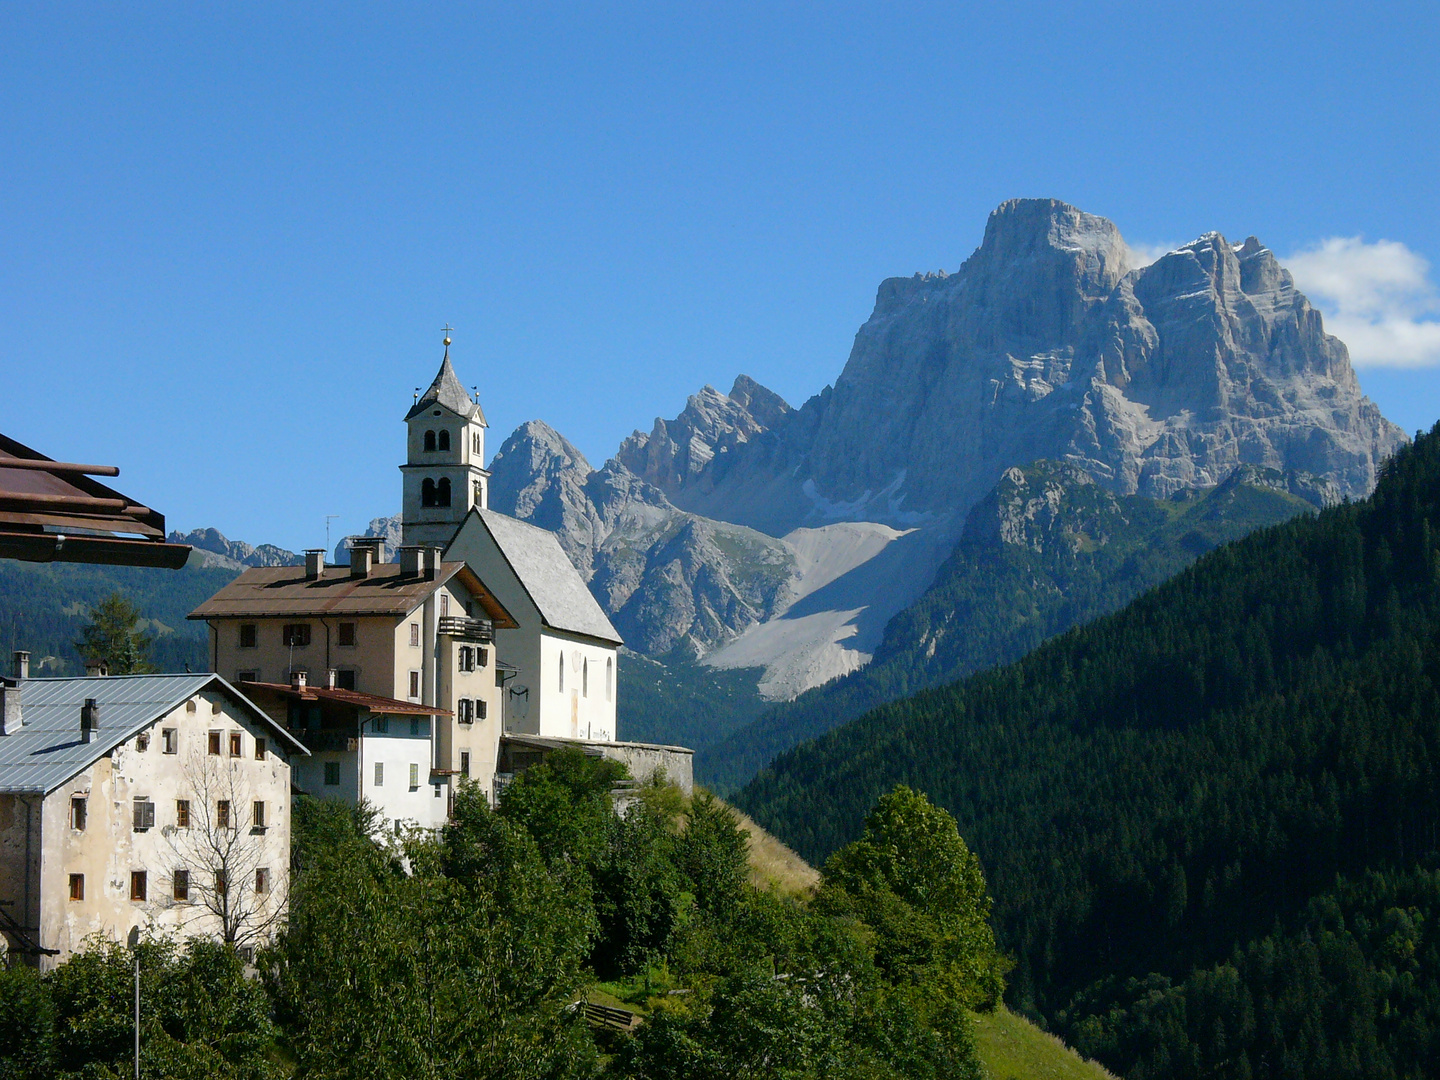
{"x": 142, "y": 741}
{"x": 562, "y": 673}
{"x": 379, "y": 774}
{"x": 442, "y": 492}
{"x": 467, "y": 658}
{"x": 345, "y": 634}
{"x": 585, "y": 677}
{"x": 381, "y": 725}
{"x": 499, "y": 677}
{"x": 262, "y": 881}
{"x": 427, "y": 492}
{"x": 414, "y": 776}
{"x": 464, "y": 763}
{"x": 237, "y": 745}
{"x": 429, "y": 442}
{"x": 444, "y": 440}
{"x": 144, "y": 814}
{"x": 345, "y": 679}
{"x": 295, "y": 634}
{"x": 437, "y": 791}
{"x": 180, "y": 884}
{"x": 247, "y": 635}
{"x": 259, "y": 749}
{"x": 247, "y": 676}
{"x": 171, "y": 738}
{"x": 482, "y": 657}
{"x": 415, "y": 685}
{"x": 138, "y": 885}
{"x": 182, "y": 813}
{"x": 190, "y": 705}
{"x": 77, "y": 812}
{"x": 414, "y": 635}
{"x": 609, "y": 673}
{"x": 332, "y": 773}
{"x": 463, "y": 711}
{"x": 215, "y": 742}
{"x": 77, "y": 886}
{"x": 222, "y": 884}
{"x": 444, "y": 604}
{"x": 480, "y": 709}
{"x": 479, "y": 491}
{"x": 257, "y": 815}
{"x": 475, "y": 444}
{"x": 222, "y": 814}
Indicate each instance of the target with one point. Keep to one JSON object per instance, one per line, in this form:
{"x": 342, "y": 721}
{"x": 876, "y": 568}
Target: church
{"x": 562, "y": 648}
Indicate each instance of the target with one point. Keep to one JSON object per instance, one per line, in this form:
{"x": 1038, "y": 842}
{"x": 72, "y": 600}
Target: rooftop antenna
{"x": 328, "y": 518}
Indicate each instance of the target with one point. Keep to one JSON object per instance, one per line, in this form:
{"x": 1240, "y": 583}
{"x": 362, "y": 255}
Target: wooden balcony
{"x": 464, "y": 629}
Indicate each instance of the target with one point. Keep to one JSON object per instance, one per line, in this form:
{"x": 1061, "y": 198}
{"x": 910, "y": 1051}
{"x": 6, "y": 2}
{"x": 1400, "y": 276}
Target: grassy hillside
{"x": 1211, "y": 821}
{"x": 1012, "y": 1048}
{"x": 1047, "y": 550}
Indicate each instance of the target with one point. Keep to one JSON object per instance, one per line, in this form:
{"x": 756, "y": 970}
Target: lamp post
{"x": 134, "y": 942}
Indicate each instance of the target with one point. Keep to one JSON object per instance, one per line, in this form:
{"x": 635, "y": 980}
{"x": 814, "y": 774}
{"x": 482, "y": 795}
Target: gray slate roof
{"x": 47, "y": 750}
{"x": 549, "y": 577}
{"x": 447, "y": 391}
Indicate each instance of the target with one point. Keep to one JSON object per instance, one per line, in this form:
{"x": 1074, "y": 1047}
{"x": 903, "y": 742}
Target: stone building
{"x": 153, "y": 801}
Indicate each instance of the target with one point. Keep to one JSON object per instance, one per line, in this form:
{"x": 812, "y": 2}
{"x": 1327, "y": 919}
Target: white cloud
{"x": 1145, "y": 254}
{"x": 1377, "y": 298}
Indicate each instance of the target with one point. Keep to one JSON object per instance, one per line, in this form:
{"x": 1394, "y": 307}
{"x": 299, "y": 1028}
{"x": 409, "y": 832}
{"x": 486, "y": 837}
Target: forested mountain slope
{"x": 1046, "y": 550}
{"x": 1210, "y": 821}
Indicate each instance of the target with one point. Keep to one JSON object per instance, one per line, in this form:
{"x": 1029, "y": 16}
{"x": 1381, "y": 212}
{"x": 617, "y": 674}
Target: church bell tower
{"x": 444, "y": 471}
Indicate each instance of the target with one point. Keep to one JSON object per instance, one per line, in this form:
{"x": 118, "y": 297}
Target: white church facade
{"x": 563, "y": 649}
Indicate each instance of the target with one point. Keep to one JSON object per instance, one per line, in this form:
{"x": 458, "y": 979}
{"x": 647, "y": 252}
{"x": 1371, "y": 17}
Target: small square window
{"x": 345, "y": 679}
{"x": 262, "y": 881}
{"x": 437, "y": 791}
{"x": 481, "y": 707}
{"x": 144, "y": 815}
{"x": 379, "y": 774}
{"x": 214, "y": 742}
{"x": 171, "y": 739}
{"x": 182, "y": 813}
{"x": 296, "y": 635}
{"x": 77, "y": 812}
{"x": 345, "y": 634}
{"x": 464, "y": 763}
{"x": 381, "y": 725}
{"x": 259, "y": 749}
{"x": 138, "y": 886}
{"x": 257, "y": 815}
{"x": 415, "y": 686}
{"x": 414, "y": 776}
{"x": 180, "y": 880}
{"x": 332, "y": 773}
{"x": 222, "y": 814}
{"x": 482, "y": 657}
{"x": 415, "y": 635}
{"x": 77, "y": 886}
{"x": 237, "y": 744}
{"x": 142, "y": 741}
{"x": 247, "y": 676}
{"x": 247, "y": 635}
{"x": 463, "y": 711}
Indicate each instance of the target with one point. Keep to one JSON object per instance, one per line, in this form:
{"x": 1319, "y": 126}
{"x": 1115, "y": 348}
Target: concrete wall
{"x": 109, "y": 848}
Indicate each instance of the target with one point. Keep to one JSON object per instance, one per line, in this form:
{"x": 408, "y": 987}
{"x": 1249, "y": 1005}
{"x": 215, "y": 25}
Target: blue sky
{"x": 232, "y": 232}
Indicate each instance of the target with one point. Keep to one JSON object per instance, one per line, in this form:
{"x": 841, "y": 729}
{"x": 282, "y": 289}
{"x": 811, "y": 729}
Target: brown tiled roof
{"x": 53, "y": 511}
{"x": 374, "y": 702}
{"x": 284, "y": 590}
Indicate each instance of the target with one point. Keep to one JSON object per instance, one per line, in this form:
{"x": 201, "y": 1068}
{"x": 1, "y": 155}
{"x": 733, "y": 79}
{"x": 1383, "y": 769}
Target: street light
{"x": 134, "y": 942}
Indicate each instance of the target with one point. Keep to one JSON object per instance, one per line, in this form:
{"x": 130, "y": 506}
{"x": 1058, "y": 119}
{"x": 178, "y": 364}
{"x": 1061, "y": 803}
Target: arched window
{"x": 609, "y": 673}
{"x": 429, "y": 440}
{"x": 479, "y": 493}
{"x": 585, "y": 677}
{"x": 475, "y": 443}
{"x": 562, "y": 673}
{"x": 427, "y": 492}
{"x": 442, "y": 492}
{"x": 444, "y": 440}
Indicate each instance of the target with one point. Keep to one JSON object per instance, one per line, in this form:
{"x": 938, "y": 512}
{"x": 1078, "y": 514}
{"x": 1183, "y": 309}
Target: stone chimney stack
{"x": 330, "y": 676}
{"x": 362, "y": 556}
{"x": 10, "y": 716}
{"x": 314, "y": 564}
{"x": 297, "y": 680}
{"x": 89, "y": 719}
{"x": 21, "y": 669}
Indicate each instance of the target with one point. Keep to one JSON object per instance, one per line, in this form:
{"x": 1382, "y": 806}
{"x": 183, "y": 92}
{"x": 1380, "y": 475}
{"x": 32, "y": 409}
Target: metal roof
{"x": 447, "y": 391}
{"x": 46, "y": 750}
{"x": 52, "y": 511}
{"x": 285, "y": 590}
{"x": 549, "y": 576}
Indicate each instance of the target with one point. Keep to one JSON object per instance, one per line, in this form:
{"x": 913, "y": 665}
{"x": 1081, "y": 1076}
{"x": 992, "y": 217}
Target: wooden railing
{"x": 458, "y": 626}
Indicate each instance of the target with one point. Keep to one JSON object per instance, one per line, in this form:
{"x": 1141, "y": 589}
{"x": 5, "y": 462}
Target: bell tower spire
{"x": 444, "y": 473}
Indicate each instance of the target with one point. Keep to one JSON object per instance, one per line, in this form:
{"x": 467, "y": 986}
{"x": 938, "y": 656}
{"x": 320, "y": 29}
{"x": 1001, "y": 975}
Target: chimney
{"x": 297, "y": 680}
{"x": 10, "y": 718}
{"x": 362, "y": 557}
{"x": 96, "y": 669}
{"x": 314, "y": 563}
{"x": 412, "y": 561}
{"x": 22, "y": 664}
{"x": 432, "y": 562}
{"x": 330, "y": 676}
{"x": 89, "y": 719}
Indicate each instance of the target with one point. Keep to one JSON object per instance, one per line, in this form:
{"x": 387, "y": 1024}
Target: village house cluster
{"x": 163, "y": 802}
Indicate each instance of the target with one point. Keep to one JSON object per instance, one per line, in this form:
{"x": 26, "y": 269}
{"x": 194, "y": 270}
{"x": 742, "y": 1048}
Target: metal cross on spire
{"x": 446, "y": 331}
